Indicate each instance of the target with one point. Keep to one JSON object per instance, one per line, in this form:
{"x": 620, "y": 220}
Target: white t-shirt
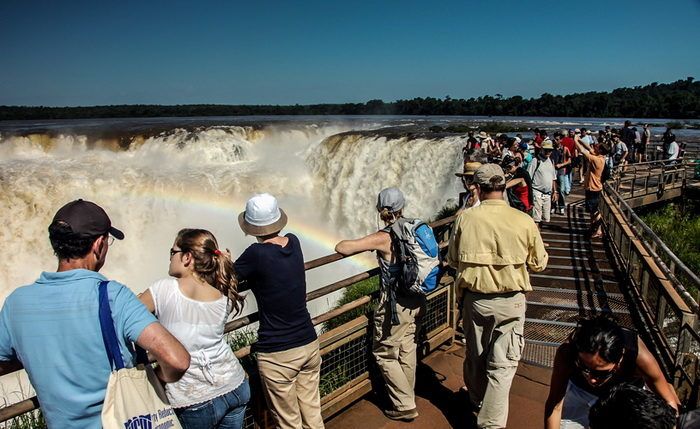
{"x": 214, "y": 369}
{"x": 673, "y": 150}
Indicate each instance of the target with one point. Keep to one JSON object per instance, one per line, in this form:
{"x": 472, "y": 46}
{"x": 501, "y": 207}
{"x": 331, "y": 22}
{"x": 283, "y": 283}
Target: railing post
{"x": 661, "y": 311}
{"x": 645, "y": 284}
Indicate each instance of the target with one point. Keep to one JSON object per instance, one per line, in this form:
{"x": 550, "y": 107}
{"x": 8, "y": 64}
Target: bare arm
{"x": 515, "y": 182}
{"x": 582, "y": 147}
{"x": 654, "y": 377}
{"x": 377, "y": 241}
{"x": 173, "y": 360}
{"x": 147, "y": 300}
{"x": 557, "y": 389}
{"x": 567, "y": 159}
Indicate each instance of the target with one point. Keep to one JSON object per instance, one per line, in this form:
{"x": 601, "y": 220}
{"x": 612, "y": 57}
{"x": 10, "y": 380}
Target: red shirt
{"x": 522, "y": 193}
{"x": 570, "y": 144}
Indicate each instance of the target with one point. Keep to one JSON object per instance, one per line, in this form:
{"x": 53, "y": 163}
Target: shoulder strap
{"x": 537, "y": 167}
{"x": 109, "y": 335}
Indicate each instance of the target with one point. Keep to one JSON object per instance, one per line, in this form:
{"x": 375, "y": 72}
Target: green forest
{"x": 680, "y": 99}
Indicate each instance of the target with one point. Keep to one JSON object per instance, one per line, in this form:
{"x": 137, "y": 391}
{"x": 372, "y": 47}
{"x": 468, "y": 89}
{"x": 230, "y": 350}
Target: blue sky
{"x": 69, "y": 53}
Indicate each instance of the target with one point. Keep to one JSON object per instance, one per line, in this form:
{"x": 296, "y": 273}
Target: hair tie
{"x": 217, "y": 252}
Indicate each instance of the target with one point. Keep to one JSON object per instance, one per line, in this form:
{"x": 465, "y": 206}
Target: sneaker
{"x": 561, "y": 211}
{"x": 405, "y": 415}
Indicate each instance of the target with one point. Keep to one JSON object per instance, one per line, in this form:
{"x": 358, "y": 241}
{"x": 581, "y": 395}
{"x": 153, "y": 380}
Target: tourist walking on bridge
{"x": 595, "y": 155}
{"x": 492, "y": 247}
{"x": 53, "y": 326}
{"x": 287, "y": 349}
{"x": 543, "y": 174}
{"x": 394, "y": 345}
{"x": 194, "y": 305}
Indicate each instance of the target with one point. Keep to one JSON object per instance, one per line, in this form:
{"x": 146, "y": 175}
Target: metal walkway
{"x": 579, "y": 281}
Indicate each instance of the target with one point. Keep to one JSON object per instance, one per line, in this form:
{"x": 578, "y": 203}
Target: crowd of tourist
{"x": 540, "y": 171}
{"x": 511, "y": 187}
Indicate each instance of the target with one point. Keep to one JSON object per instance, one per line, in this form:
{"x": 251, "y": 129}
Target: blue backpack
{"x": 417, "y": 251}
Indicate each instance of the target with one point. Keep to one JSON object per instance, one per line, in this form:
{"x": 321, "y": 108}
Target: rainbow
{"x": 230, "y": 206}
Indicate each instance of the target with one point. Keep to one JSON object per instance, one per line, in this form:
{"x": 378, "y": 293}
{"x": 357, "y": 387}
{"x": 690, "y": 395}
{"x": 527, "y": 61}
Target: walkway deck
{"x": 579, "y": 280}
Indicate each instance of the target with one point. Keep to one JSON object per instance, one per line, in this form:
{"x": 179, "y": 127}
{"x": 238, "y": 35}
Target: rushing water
{"x": 155, "y": 176}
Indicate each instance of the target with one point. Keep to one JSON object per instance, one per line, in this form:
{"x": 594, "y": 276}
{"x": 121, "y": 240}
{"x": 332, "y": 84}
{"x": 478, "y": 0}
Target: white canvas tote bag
{"x": 135, "y": 399}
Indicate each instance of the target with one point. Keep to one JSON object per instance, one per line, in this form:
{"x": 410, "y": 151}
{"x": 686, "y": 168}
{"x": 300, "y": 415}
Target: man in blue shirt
{"x": 52, "y": 326}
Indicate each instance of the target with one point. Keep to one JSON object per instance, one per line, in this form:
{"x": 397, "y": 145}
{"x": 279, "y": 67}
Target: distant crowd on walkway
{"x": 511, "y": 186}
{"x": 540, "y": 171}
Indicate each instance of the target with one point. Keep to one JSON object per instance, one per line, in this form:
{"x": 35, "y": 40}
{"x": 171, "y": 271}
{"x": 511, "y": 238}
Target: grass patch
{"x": 30, "y": 420}
{"x": 445, "y": 212}
{"x": 333, "y": 380}
{"x": 360, "y": 289}
{"x": 241, "y": 338}
{"x": 679, "y": 228}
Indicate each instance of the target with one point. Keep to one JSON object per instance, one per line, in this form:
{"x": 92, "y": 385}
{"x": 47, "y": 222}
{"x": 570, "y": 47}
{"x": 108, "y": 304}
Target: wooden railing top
{"x": 646, "y": 235}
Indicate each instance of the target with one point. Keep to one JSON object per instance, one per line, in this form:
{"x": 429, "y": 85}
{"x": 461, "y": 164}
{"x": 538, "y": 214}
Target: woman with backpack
{"x": 394, "y": 344}
{"x": 194, "y": 304}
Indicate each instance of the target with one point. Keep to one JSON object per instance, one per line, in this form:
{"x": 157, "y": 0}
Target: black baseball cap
{"x": 87, "y": 219}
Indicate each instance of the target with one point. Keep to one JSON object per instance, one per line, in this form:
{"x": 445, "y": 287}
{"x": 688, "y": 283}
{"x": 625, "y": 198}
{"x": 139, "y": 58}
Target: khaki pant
{"x": 541, "y": 205}
{"x": 494, "y": 330}
{"x": 394, "y": 348}
{"x": 290, "y": 380}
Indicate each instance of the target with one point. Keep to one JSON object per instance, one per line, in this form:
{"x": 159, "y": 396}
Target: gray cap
{"x": 391, "y": 198}
{"x": 486, "y": 172}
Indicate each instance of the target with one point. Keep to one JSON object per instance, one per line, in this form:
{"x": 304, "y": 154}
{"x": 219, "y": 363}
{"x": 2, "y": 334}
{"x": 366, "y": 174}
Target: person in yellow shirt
{"x": 492, "y": 247}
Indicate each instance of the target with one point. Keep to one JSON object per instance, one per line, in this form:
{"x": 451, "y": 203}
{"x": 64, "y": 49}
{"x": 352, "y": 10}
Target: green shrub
{"x": 30, "y": 420}
{"x": 333, "y": 380}
{"x": 241, "y": 338}
{"x": 351, "y": 293}
{"x": 680, "y": 231}
{"x": 445, "y": 212}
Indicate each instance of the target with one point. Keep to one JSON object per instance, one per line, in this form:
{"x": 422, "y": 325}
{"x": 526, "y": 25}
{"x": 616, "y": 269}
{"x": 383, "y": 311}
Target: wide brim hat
{"x": 469, "y": 169}
{"x": 547, "y": 145}
{"x": 483, "y": 135}
{"x": 262, "y": 216}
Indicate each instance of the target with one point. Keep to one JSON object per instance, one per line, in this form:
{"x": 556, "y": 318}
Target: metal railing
{"x": 648, "y": 182}
{"x": 346, "y": 367}
{"x": 658, "y": 281}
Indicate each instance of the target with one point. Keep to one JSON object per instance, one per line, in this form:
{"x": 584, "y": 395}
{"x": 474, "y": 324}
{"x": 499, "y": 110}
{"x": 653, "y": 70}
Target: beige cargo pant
{"x": 494, "y": 330}
{"x": 394, "y": 348}
{"x": 290, "y": 381}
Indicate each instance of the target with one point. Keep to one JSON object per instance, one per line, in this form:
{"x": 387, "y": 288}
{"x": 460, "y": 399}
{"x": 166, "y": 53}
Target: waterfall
{"x": 325, "y": 176}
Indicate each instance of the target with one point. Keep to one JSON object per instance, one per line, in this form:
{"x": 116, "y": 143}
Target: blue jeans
{"x": 565, "y": 183}
{"x": 223, "y": 412}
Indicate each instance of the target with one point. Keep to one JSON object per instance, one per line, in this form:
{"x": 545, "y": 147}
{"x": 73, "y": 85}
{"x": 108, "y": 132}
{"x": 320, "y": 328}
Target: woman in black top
{"x": 598, "y": 355}
{"x": 287, "y": 349}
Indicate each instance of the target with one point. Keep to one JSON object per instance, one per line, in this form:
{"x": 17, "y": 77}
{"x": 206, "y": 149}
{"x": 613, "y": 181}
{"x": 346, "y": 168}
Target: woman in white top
{"x": 194, "y": 305}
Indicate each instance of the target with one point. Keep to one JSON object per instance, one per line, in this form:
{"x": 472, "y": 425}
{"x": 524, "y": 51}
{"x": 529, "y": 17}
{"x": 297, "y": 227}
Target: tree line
{"x": 680, "y": 99}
